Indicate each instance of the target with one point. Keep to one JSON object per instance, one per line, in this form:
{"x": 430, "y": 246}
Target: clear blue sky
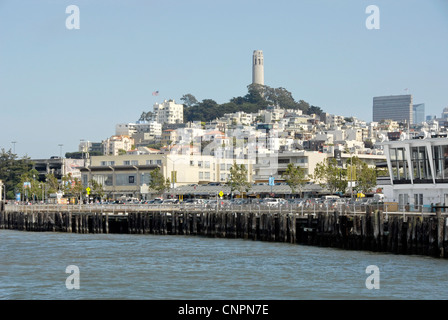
{"x": 58, "y": 86}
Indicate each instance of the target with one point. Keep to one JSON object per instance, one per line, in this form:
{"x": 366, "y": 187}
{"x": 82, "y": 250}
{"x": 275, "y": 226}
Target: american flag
{"x": 155, "y": 93}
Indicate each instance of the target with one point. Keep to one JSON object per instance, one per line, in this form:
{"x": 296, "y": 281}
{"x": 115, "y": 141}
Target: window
{"x": 103, "y": 179}
{"x": 201, "y": 175}
{"x": 420, "y": 163}
{"x": 200, "y": 164}
{"x": 207, "y": 164}
{"x": 103, "y": 163}
{"x": 126, "y": 162}
{"x": 207, "y": 175}
{"x": 134, "y": 162}
{"x": 440, "y": 155}
{"x": 400, "y": 168}
{"x": 125, "y": 179}
{"x": 145, "y": 178}
{"x": 223, "y": 166}
{"x": 418, "y": 200}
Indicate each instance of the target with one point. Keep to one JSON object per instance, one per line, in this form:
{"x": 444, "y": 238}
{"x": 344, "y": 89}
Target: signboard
{"x": 18, "y": 196}
{"x": 338, "y": 157}
{"x": 88, "y": 190}
{"x": 221, "y": 193}
{"x": 271, "y": 181}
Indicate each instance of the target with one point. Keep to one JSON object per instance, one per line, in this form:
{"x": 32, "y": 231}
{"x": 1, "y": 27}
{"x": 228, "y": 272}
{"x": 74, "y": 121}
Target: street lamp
{"x": 174, "y": 173}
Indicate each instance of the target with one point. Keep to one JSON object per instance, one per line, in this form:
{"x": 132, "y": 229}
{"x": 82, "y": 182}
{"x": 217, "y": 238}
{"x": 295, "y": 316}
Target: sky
{"x": 59, "y": 86}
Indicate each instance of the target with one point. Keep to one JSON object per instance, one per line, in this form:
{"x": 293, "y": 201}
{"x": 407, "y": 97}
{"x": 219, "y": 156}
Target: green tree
{"x": 29, "y": 185}
{"x": 52, "y": 184}
{"x": 158, "y": 182}
{"x": 238, "y": 178}
{"x": 97, "y": 190}
{"x": 362, "y": 174}
{"x": 78, "y": 188}
{"x": 189, "y": 100}
{"x": 295, "y": 178}
{"x": 328, "y": 175}
{"x": 11, "y": 170}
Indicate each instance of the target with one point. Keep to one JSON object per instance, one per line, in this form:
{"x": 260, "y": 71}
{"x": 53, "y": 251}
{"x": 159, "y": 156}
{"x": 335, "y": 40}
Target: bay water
{"x": 33, "y": 265}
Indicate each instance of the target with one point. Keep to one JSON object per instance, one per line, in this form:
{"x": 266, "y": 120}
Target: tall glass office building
{"x": 418, "y": 113}
{"x": 397, "y": 108}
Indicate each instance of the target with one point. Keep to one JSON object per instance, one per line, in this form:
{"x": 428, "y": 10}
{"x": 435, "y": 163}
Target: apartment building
{"x": 168, "y": 112}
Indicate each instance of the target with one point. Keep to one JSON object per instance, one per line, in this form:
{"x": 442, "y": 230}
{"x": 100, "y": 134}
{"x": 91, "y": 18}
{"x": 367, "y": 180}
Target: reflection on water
{"x": 114, "y": 266}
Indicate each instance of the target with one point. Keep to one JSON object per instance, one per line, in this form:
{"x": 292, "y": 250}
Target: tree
{"x": 29, "y": 185}
{"x": 52, "y": 184}
{"x": 11, "y": 170}
{"x": 360, "y": 172}
{"x": 238, "y": 178}
{"x": 328, "y": 175}
{"x": 97, "y": 189}
{"x": 146, "y": 116}
{"x": 78, "y": 189}
{"x": 158, "y": 181}
{"x": 295, "y": 178}
{"x": 189, "y": 100}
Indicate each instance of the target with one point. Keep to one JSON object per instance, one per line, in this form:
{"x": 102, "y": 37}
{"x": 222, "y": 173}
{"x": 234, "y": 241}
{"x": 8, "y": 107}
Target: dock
{"x": 369, "y": 228}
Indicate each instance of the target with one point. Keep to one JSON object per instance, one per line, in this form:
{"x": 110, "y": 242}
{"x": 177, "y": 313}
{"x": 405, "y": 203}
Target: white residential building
{"x": 169, "y": 112}
{"x": 114, "y": 144}
{"x": 130, "y": 129}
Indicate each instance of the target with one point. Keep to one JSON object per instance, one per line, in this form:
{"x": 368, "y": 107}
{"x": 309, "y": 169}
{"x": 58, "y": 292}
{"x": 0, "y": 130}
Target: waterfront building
{"x": 418, "y": 172}
{"x": 129, "y": 175}
{"x": 395, "y": 107}
{"x": 57, "y": 166}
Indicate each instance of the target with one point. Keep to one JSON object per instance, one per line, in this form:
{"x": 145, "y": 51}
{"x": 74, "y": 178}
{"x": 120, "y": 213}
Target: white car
{"x": 272, "y": 202}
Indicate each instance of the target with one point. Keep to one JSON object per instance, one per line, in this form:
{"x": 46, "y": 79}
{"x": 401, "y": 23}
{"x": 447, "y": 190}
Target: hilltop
{"x": 259, "y": 97}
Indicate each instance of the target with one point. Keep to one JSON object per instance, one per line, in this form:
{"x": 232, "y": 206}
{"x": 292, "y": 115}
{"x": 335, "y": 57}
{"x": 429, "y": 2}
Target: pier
{"x": 368, "y": 228}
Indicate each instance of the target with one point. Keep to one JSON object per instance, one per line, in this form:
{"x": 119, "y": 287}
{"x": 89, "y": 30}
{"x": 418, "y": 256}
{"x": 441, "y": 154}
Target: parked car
{"x": 170, "y": 201}
{"x": 193, "y": 202}
{"x": 155, "y": 201}
{"x": 272, "y": 202}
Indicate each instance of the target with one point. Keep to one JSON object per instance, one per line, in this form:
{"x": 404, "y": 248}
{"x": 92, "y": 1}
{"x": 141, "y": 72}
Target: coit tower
{"x": 258, "y": 67}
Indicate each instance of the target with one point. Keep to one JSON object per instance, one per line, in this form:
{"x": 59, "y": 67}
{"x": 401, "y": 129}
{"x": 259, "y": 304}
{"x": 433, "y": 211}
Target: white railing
{"x": 296, "y": 208}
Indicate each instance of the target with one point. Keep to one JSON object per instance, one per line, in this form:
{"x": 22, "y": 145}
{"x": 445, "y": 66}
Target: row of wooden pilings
{"x": 374, "y": 230}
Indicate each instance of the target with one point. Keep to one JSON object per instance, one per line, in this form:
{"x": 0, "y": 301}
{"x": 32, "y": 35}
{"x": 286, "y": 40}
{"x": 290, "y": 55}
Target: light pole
{"x": 174, "y": 173}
